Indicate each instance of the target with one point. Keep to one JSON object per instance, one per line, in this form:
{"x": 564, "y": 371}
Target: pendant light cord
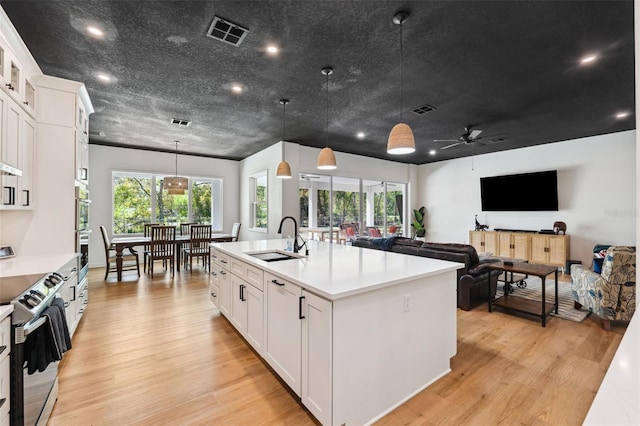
{"x": 284, "y": 126}
{"x": 176, "y": 158}
{"x": 326, "y": 136}
{"x": 401, "y": 61}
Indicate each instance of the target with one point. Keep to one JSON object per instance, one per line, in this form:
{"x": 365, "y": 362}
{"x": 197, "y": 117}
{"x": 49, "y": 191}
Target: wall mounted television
{"x": 536, "y": 191}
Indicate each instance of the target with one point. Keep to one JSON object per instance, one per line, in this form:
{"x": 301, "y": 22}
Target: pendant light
{"x": 326, "y": 158}
{"x": 401, "y": 140}
{"x": 176, "y": 185}
{"x": 284, "y": 170}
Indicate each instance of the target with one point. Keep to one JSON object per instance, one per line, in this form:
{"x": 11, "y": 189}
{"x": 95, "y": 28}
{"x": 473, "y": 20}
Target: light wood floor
{"x": 156, "y": 352}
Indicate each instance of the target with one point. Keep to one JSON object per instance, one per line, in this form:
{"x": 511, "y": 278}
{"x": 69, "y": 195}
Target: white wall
{"x": 596, "y": 192}
{"x": 104, "y": 160}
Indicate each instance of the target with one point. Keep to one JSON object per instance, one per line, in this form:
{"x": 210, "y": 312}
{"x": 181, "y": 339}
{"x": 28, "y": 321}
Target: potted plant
{"x": 419, "y": 230}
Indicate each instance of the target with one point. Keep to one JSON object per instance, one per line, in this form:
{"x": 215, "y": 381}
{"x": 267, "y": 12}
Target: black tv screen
{"x": 522, "y": 192}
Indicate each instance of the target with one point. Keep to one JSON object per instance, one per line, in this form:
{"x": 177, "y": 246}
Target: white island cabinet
{"x": 353, "y": 332}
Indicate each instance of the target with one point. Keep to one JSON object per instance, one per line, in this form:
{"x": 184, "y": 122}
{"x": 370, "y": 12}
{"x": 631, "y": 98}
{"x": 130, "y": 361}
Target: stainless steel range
{"x": 33, "y": 395}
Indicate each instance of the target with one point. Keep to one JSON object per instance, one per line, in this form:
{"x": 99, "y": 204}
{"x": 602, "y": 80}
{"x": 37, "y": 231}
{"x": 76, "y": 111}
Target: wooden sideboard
{"x": 536, "y": 248}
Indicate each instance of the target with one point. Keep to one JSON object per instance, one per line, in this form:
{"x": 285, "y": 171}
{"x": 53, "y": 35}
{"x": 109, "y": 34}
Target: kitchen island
{"x": 353, "y": 332}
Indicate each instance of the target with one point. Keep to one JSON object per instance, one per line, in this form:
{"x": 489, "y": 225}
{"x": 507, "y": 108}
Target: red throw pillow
{"x": 350, "y": 232}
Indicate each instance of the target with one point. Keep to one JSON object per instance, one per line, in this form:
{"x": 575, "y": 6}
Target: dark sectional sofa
{"x": 472, "y": 279}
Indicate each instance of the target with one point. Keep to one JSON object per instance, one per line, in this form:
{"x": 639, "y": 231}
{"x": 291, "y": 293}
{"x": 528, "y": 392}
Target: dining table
{"x": 121, "y": 243}
{"x": 322, "y": 232}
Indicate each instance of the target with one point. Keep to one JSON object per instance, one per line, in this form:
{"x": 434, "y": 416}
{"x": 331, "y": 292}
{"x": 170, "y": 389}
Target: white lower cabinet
{"x": 317, "y": 352}
{"x": 224, "y": 296}
{"x": 239, "y": 298}
{"x": 247, "y": 311}
{"x": 299, "y": 343}
{"x": 283, "y": 346}
{"x": 286, "y": 325}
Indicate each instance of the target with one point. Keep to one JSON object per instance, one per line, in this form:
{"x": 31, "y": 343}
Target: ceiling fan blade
{"x": 452, "y": 145}
{"x": 446, "y": 140}
{"x": 474, "y": 134}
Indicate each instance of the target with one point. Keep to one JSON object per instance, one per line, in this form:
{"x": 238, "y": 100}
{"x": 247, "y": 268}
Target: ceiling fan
{"x": 468, "y": 137}
{"x": 308, "y": 177}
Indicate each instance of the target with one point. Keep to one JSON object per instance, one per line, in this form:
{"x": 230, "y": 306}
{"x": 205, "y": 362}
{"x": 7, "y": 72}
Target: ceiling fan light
{"x": 401, "y": 140}
{"x": 327, "y": 159}
{"x": 283, "y": 171}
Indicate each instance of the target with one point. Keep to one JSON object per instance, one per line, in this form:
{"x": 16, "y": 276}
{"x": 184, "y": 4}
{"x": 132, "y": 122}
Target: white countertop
{"x": 618, "y": 399}
{"x": 334, "y": 271}
{"x": 33, "y": 265}
{"x": 5, "y": 311}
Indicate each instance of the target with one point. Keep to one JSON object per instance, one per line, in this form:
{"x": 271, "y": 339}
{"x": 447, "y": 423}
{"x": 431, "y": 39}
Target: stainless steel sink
{"x": 273, "y": 256}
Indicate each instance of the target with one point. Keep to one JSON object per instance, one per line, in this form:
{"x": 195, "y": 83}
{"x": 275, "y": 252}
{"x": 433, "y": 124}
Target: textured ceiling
{"x": 509, "y": 68}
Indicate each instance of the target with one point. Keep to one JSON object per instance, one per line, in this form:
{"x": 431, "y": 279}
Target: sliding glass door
{"x": 329, "y": 205}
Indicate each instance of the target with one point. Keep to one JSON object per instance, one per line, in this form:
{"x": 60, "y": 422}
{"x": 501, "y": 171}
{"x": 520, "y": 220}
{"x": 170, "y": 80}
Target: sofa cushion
{"x": 469, "y": 250}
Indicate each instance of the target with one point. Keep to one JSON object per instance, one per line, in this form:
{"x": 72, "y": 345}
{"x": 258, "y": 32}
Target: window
{"x": 259, "y": 201}
{"x": 333, "y": 200}
{"x": 140, "y": 198}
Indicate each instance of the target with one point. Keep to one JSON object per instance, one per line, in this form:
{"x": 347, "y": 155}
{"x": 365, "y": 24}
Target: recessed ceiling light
{"x": 432, "y": 152}
{"x": 588, "y": 59}
{"x": 95, "y": 31}
{"x": 236, "y": 88}
{"x": 622, "y": 114}
{"x": 360, "y": 135}
{"x": 103, "y": 77}
{"x": 272, "y": 50}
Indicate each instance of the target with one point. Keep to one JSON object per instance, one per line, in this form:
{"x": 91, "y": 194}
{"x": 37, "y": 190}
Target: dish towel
{"x": 47, "y": 343}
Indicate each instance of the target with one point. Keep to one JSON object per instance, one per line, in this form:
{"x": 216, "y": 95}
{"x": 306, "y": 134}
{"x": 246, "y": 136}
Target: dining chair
{"x": 145, "y": 249}
{"x": 198, "y": 246}
{"x": 235, "y": 231}
{"x": 162, "y": 247}
{"x": 185, "y": 228}
{"x": 130, "y": 261}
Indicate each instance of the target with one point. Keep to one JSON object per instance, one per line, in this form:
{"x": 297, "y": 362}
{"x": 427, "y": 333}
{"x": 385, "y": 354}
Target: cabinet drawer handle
{"x": 223, "y": 261}
{"x": 26, "y": 193}
{"x": 2, "y": 349}
{"x": 9, "y": 86}
{"x": 242, "y": 286}
{"x": 213, "y": 273}
{"x": 213, "y": 295}
{"x": 223, "y": 273}
{"x": 300, "y": 316}
{"x": 277, "y": 283}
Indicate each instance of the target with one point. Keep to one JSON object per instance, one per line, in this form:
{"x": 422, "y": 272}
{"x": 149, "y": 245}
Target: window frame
{"x": 254, "y": 179}
{"x": 217, "y": 208}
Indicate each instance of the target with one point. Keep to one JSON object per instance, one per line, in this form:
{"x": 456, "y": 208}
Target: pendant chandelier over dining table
{"x": 327, "y": 158}
{"x": 176, "y": 185}
{"x": 401, "y": 140}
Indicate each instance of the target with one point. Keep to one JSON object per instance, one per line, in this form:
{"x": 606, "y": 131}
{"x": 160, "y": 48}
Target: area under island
{"x": 353, "y": 332}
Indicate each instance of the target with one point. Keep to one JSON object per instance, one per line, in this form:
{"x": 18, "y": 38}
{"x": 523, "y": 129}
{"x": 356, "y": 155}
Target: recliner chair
{"x": 611, "y": 294}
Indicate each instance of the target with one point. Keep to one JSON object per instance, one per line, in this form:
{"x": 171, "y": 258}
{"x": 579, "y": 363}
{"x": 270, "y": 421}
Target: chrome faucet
{"x": 295, "y": 232}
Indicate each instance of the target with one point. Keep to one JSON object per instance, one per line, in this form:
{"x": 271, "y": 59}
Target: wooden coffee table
{"x": 520, "y": 304}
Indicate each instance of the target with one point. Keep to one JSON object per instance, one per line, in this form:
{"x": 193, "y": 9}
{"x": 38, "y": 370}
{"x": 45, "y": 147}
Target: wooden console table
{"x": 515, "y": 303}
{"x": 536, "y": 248}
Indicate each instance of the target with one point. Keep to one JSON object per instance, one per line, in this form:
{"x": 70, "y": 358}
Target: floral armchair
{"x": 611, "y": 294}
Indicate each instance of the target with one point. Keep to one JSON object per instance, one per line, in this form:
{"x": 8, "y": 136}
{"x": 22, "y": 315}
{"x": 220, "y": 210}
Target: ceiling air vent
{"x": 227, "y": 31}
{"x": 180, "y": 122}
{"x": 423, "y": 109}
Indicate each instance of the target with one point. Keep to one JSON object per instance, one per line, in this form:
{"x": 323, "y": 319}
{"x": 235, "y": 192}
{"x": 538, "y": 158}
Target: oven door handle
{"x": 23, "y": 331}
{"x": 34, "y": 326}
